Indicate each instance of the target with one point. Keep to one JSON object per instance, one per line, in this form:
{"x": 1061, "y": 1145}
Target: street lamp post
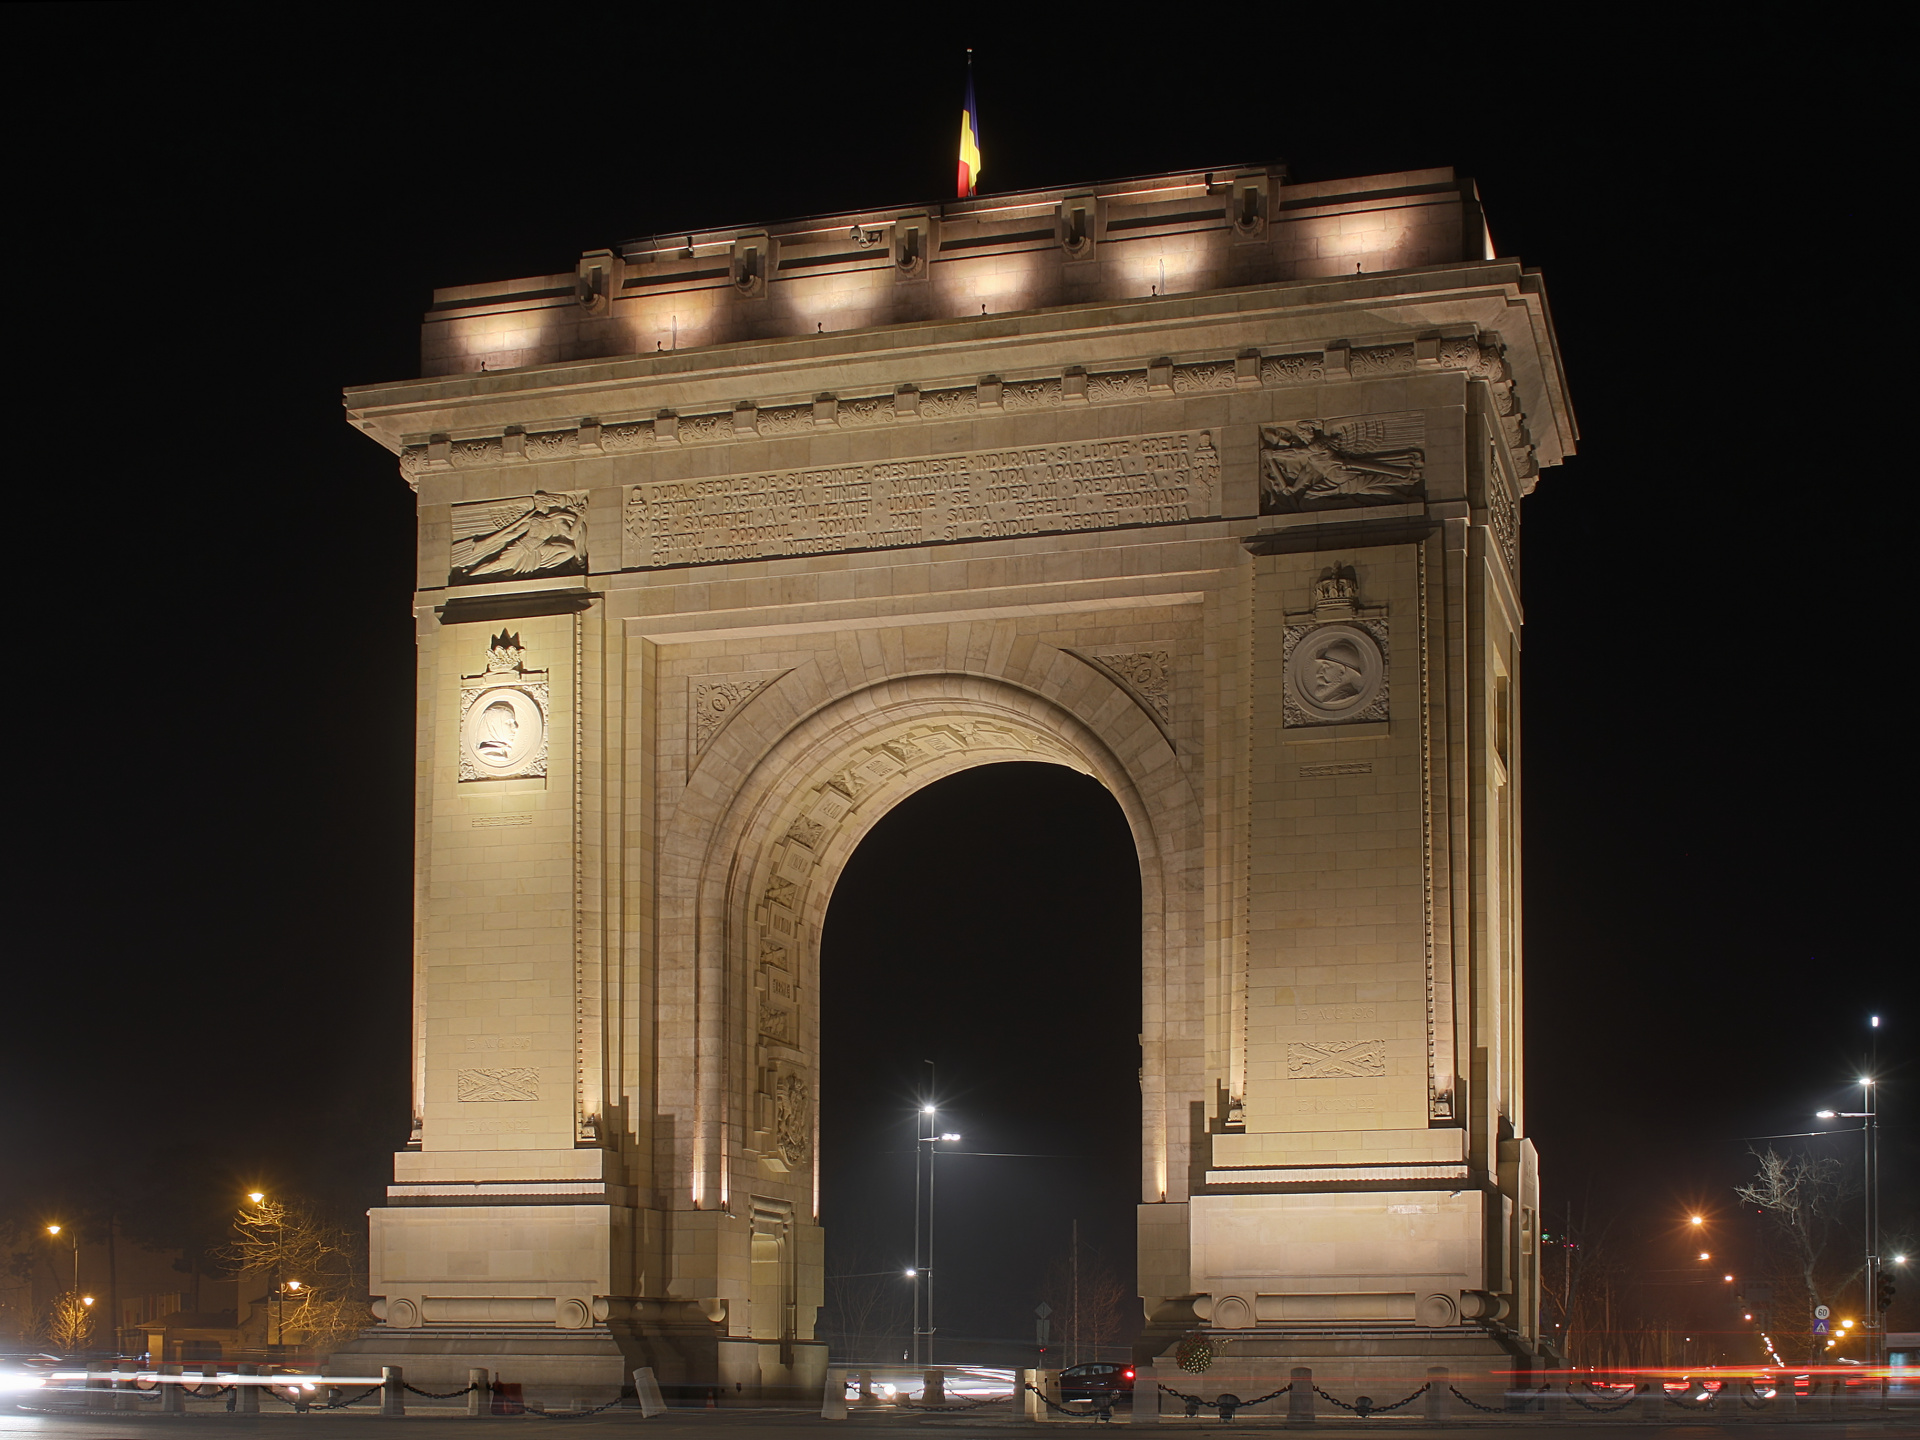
{"x": 1869, "y": 1117}
{"x": 921, "y": 1272}
{"x": 74, "y": 1237}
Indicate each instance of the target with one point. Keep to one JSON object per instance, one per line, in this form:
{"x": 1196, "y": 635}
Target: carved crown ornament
{"x": 1481, "y": 357}
{"x": 503, "y": 716}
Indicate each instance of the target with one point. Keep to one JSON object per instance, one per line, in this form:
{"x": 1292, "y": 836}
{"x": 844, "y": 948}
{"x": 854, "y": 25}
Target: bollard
{"x": 866, "y": 1386}
{"x": 246, "y": 1398}
{"x": 119, "y": 1386}
{"x": 1300, "y": 1397}
{"x": 1786, "y": 1402}
{"x": 647, "y": 1389}
{"x": 1146, "y": 1395}
{"x": 1653, "y": 1403}
{"x": 933, "y": 1389}
{"x": 1556, "y": 1403}
{"x": 477, "y": 1392}
{"x": 833, "y": 1399}
{"x": 1438, "y": 1379}
{"x": 172, "y": 1397}
{"x": 393, "y": 1395}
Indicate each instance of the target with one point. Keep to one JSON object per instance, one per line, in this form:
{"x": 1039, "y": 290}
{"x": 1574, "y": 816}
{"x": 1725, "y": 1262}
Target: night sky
{"x": 219, "y": 221}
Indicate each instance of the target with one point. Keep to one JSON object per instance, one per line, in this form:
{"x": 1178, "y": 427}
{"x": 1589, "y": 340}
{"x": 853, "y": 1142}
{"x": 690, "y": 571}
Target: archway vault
{"x": 780, "y": 800}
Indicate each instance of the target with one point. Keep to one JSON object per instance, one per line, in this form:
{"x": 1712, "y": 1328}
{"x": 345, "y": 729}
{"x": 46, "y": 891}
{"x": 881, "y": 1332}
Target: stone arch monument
{"x": 1207, "y": 486}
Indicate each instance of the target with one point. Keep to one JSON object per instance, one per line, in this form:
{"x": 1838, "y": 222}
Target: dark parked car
{"x": 1096, "y": 1381}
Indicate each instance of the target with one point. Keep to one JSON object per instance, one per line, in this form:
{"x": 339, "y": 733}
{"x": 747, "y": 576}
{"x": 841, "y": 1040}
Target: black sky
{"x": 219, "y": 218}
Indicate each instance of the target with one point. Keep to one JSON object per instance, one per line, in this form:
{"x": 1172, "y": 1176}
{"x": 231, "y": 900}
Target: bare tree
{"x": 1808, "y": 1204}
{"x": 315, "y": 1269}
{"x": 69, "y": 1322}
{"x": 1108, "y": 1314}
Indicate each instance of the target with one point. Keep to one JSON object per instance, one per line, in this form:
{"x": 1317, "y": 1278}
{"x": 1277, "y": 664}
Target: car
{"x": 21, "y": 1373}
{"x": 1095, "y": 1381}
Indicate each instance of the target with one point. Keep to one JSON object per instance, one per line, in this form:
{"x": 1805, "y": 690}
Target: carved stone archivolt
{"x": 1147, "y": 673}
{"x": 503, "y": 716}
{"x": 1337, "y": 464}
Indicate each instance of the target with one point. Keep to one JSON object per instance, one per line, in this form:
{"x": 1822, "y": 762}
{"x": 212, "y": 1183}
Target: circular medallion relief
{"x": 503, "y": 730}
{"x": 1335, "y": 672}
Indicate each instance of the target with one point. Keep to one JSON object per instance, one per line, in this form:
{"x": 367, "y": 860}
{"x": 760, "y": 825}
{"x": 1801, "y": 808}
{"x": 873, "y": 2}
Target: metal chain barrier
{"x": 1054, "y": 1405}
{"x": 569, "y": 1414}
{"x": 1490, "y": 1409}
{"x": 955, "y": 1406}
{"x": 1612, "y": 1409}
{"x": 1225, "y": 1405}
{"x": 1363, "y": 1405}
{"x": 200, "y": 1392}
{"x": 367, "y": 1394}
{"x": 447, "y": 1395}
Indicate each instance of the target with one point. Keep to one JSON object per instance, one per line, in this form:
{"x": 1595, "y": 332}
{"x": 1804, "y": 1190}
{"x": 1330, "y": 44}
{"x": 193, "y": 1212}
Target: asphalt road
{"x": 806, "y": 1425}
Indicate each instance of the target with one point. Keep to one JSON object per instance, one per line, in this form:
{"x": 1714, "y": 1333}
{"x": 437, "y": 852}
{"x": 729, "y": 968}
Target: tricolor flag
{"x": 969, "y": 141}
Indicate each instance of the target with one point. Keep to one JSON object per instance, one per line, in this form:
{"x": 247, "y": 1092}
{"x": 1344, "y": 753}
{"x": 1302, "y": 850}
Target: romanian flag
{"x": 969, "y": 142}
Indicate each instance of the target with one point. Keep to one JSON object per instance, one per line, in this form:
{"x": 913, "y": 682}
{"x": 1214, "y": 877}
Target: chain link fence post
{"x": 477, "y": 1392}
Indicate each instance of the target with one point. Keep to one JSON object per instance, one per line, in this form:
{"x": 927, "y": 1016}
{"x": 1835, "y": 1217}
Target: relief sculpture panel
{"x": 1029, "y": 490}
{"x": 1336, "y": 464}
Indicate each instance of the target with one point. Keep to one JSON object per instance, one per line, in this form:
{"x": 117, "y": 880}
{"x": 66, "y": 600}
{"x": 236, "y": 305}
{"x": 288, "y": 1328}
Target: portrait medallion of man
{"x": 1336, "y": 674}
{"x": 503, "y": 732}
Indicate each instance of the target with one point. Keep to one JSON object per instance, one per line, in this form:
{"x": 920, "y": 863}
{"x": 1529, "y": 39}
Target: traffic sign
{"x": 1821, "y": 1312}
{"x": 1819, "y": 1327}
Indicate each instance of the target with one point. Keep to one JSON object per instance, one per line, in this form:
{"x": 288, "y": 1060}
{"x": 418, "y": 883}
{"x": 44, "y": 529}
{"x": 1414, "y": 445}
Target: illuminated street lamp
{"x": 73, "y": 1237}
{"x": 1869, "y": 1117}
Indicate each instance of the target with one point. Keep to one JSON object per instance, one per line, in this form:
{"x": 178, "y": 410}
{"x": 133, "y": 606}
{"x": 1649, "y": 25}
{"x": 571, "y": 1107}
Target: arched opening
{"x": 989, "y": 923}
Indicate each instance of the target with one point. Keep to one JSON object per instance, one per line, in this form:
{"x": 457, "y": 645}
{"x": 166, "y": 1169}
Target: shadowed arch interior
{"x": 990, "y": 923}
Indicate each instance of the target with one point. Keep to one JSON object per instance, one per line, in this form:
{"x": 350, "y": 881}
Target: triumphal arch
{"x": 1205, "y": 485}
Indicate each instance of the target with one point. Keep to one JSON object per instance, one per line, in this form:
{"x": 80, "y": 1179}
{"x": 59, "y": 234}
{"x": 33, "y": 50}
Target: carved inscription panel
{"x": 1029, "y": 490}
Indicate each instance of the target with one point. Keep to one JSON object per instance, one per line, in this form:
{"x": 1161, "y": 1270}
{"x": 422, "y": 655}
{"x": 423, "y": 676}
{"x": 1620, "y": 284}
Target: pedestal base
{"x": 1385, "y": 1362}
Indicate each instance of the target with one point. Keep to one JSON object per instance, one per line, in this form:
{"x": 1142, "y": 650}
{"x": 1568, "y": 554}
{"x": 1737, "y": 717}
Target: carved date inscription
{"x": 1031, "y": 490}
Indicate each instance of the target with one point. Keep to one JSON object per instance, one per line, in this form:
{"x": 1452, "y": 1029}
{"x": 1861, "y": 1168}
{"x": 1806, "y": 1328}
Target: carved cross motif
{"x": 1334, "y": 1059}
{"x": 517, "y": 1082}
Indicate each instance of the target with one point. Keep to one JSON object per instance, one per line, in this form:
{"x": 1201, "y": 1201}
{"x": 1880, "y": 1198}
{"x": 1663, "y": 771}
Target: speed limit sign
{"x": 1821, "y": 1312}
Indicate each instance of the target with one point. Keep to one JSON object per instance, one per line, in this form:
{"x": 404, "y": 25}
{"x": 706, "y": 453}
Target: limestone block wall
{"x": 690, "y": 622}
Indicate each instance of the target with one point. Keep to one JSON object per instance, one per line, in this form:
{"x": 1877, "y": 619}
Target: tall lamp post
{"x": 74, "y": 1237}
{"x": 927, "y": 1137}
{"x": 1869, "y": 1117}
